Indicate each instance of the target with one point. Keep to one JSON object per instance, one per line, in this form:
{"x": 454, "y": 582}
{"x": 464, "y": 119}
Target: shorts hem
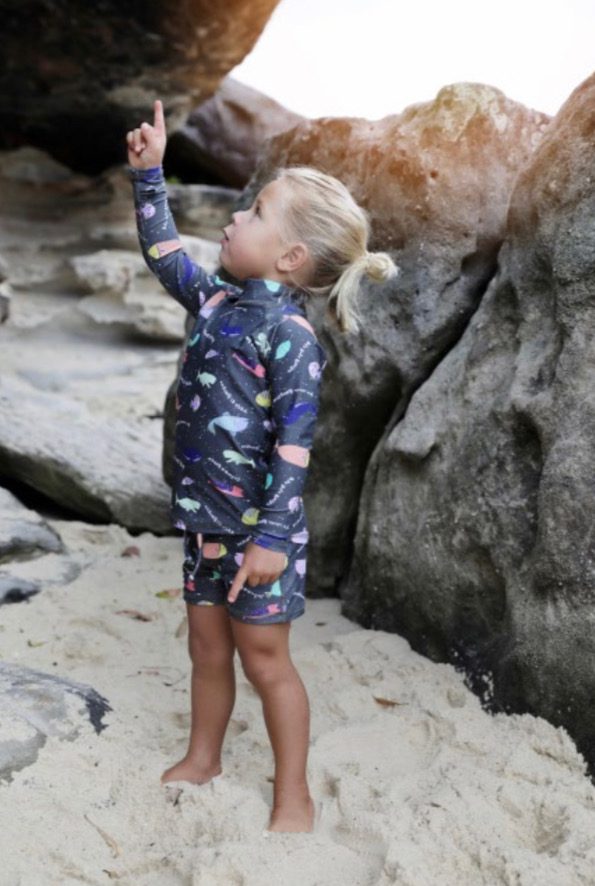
{"x": 267, "y": 620}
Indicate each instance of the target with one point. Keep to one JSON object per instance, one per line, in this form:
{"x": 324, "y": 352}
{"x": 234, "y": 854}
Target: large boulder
{"x": 436, "y": 181}
{"x": 41, "y": 705}
{"x": 475, "y": 531}
{"x": 226, "y": 135}
{"x": 102, "y": 470}
{"x": 76, "y": 76}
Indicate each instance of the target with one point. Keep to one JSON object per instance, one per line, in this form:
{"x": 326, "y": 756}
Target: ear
{"x": 294, "y": 258}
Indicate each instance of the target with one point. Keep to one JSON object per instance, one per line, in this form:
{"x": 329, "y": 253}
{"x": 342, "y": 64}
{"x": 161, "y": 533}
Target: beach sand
{"x": 416, "y": 784}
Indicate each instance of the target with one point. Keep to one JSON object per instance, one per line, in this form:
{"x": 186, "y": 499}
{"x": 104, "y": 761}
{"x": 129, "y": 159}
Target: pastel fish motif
{"x": 264, "y": 398}
{"x": 297, "y": 411}
{"x": 267, "y": 425}
{"x": 295, "y": 455}
{"x": 250, "y": 516}
{"x": 195, "y": 403}
{"x": 268, "y": 481}
{"x": 193, "y": 340}
{"x": 283, "y": 349}
{"x": 293, "y": 503}
{"x": 230, "y": 489}
{"x": 158, "y": 250}
{"x": 262, "y": 342}
{"x": 238, "y": 558}
{"x": 314, "y": 369}
{"x": 210, "y": 305}
{"x": 236, "y": 458}
{"x": 301, "y": 321}
{"x": 211, "y": 353}
{"x": 300, "y": 538}
{"x": 271, "y": 609}
{"x": 272, "y": 285}
{"x": 207, "y": 379}
{"x": 300, "y": 567}
{"x": 256, "y": 369}
{"x": 147, "y": 210}
{"x": 189, "y": 504}
{"x": 187, "y": 481}
{"x": 229, "y": 329}
{"x": 213, "y": 550}
{"x": 275, "y": 589}
{"x": 191, "y": 454}
{"x": 233, "y": 423}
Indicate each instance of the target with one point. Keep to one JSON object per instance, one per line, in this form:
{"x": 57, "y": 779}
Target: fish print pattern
{"x": 248, "y": 391}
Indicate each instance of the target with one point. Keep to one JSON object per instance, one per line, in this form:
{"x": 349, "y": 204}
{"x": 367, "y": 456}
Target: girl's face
{"x": 252, "y": 245}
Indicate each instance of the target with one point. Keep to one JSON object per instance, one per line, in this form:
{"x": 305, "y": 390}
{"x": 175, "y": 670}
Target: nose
{"x": 237, "y": 216}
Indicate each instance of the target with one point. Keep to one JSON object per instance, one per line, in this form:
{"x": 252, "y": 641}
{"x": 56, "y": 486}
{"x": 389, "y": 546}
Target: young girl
{"x": 246, "y": 406}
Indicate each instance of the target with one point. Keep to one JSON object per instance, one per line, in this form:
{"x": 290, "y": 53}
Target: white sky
{"x": 370, "y": 58}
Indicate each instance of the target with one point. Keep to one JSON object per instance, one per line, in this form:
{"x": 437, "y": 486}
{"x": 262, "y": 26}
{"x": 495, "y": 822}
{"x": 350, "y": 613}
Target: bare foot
{"x": 296, "y": 817}
{"x": 187, "y": 770}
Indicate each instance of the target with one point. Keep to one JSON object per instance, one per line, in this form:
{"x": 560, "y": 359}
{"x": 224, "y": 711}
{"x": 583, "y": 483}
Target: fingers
{"x": 158, "y": 118}
{"x": 244, "y": 576}
{"x": 237, "y": 584}
{"x": 136, "y": 141}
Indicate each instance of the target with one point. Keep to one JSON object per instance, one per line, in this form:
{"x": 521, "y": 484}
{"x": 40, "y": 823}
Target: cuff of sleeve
{"x": 153, "y": 174}
{"x": 271, "y": 542}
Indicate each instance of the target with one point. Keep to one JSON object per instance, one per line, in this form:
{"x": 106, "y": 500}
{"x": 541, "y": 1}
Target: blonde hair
{"x": 336, "y": 230}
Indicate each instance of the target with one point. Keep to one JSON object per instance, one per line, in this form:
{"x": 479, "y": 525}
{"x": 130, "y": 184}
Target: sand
{"x": 416, "y": 784}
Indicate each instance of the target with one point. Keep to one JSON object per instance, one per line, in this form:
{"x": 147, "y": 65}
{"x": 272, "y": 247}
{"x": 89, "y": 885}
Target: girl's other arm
{"x": 296, "y": 363}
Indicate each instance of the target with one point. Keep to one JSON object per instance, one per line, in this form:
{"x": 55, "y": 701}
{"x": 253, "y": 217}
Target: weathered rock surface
{"x": 23, "y": 532}
{"x": 227, "y": 134}
{"x": 475, "y": 532}
{"x": 76, "y": 76}
{"x": 126, "y": 294}
{"x": 102, "y": 470}
{"x": 37, "y": 705}
{"x": 202, "y": 210}
{"x": 436, "y": 181}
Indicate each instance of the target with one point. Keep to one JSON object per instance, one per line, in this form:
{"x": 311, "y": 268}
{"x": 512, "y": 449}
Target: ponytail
{"x": 378, "y": 266}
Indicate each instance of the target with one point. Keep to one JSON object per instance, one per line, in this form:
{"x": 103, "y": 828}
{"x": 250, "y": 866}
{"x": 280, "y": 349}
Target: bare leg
{"x": 211, "y": 647}
{"x": 264, "y": 651}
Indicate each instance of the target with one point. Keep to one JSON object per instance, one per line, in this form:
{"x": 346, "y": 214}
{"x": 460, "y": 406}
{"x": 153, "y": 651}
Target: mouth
{"x": 224, "y": 239}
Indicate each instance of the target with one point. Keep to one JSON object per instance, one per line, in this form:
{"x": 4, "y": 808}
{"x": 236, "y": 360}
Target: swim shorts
{"x": 211, "y": 563}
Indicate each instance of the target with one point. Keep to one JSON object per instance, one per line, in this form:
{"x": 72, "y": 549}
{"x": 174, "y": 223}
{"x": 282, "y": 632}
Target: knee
{"x": 209, "y": 657}
{"x": 264, "y": 670}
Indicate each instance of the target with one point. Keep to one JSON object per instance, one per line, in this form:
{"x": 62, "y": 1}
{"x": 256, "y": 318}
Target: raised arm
{"x": 162, "y": 249}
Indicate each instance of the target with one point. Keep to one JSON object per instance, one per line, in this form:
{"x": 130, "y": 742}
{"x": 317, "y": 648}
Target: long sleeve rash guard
{"x": 248, "y": 391}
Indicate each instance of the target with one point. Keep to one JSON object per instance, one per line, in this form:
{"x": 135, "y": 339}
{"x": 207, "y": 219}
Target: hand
{"x": 259, "y": 566}
{"x": 146, "y": 145}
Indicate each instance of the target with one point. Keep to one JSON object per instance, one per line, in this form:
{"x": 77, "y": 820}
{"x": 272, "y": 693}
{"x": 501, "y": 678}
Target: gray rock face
{"x": 436, "y": 181}
{"x": 227, "y": 134}
{"x": 23, "y": 535}
{"x": 22, "y": 531}
{"x": 106, "y": 471}
{"x": 35, "y": 705}
{"x": 77, "y": 75}
{"x": 475, "y": 532}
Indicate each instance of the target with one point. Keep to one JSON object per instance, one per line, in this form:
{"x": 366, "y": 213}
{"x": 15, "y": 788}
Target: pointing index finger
{"x": 159, "y": 120}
